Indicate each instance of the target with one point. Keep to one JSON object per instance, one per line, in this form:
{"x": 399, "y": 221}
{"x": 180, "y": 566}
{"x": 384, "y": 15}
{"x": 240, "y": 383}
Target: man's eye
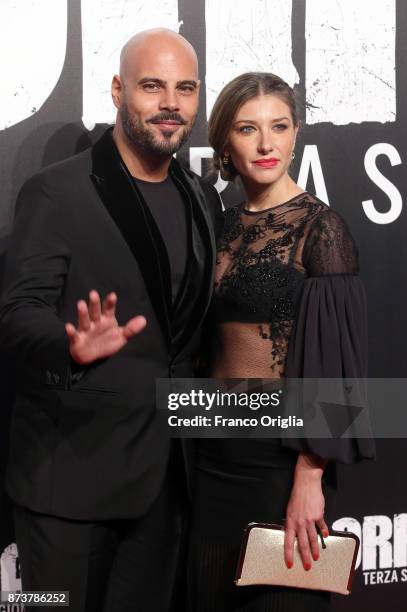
{"x": 151, "y": 86}
{"x": 188, "y": 89}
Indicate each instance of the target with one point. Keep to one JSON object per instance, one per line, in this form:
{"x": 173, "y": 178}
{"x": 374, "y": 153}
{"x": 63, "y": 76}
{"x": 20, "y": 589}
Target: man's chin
{"x": 163, "y": 144}
{"x": 171, "y": 136}
{"x": 170, "y": 142}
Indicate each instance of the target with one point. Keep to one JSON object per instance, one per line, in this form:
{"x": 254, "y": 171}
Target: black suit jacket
{"x": 88, "y": 444}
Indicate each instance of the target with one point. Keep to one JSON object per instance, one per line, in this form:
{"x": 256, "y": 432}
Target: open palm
{"x": 98, "y": 334}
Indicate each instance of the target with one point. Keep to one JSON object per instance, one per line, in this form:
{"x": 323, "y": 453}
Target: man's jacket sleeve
{"x": 32, "y": 336}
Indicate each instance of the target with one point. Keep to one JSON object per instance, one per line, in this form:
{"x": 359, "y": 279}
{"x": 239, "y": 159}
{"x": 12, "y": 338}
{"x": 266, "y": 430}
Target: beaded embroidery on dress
{"x": 263, "y": 259}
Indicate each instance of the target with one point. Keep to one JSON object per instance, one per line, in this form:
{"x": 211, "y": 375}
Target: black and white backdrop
{"x": 347, "y": 62}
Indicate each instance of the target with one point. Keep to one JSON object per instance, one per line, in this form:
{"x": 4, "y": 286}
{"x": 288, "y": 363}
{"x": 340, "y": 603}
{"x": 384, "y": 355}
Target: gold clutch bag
{"x": 262, "y": 562}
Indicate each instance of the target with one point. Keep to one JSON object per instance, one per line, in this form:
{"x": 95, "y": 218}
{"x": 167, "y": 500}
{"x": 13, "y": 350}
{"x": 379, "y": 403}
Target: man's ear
{"x": 116, "y": 90}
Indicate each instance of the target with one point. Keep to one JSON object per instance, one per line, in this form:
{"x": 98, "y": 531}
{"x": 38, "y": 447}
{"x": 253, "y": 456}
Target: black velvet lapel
{"x": 130, "y": 213}
{"x": 126, "y": 206}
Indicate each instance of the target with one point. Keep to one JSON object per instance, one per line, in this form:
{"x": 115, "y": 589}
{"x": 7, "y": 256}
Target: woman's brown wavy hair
{"x": 240, "y": 90}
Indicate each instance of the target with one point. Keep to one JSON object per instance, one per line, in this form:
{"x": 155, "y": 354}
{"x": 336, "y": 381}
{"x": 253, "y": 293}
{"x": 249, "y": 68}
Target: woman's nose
{"x": 265, "y": 145}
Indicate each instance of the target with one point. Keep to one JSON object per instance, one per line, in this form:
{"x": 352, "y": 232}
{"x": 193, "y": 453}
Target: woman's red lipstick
{"x": 269, "y": 162}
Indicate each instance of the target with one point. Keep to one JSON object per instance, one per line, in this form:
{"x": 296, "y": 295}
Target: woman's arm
{"x": 329, "y": 341}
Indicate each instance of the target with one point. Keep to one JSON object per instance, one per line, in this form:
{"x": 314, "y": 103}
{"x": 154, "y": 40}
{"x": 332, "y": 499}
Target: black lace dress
{"x": 288, "y": 303}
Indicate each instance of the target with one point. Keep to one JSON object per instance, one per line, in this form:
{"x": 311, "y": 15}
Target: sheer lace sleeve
{"x": 329, "y": 247}
{"x": 329, "y": 338}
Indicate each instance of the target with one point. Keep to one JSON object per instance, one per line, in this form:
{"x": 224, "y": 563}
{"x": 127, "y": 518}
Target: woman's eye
{"x": 280, "y": 127}
{"x": 246, "y": 129}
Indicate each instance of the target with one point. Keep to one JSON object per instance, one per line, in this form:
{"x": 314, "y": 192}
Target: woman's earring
{"x": 293, "y": 155}
{"x": 225, "y": 160}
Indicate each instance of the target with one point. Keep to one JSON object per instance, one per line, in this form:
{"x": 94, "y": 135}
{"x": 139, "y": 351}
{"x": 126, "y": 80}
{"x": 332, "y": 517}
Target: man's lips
{"x": 168, "y": 124}
{"x": 270, "y": 162}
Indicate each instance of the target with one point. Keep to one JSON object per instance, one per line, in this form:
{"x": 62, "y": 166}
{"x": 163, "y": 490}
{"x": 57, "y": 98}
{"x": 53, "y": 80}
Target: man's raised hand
{"x": 98, "y": 334}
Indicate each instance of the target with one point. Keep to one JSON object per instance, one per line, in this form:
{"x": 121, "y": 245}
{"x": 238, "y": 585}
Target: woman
{"x": 288, "y": 303}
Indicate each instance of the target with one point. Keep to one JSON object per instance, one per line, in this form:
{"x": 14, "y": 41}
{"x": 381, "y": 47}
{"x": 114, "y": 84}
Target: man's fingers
{"x": 70, "y": 330}
{"x": 95, "y": 309}
{"x": 109, "y": 305}
{"x": 289, "y": 539}
{"x": 134, "y": 326}
{"x": 83, "y": 316}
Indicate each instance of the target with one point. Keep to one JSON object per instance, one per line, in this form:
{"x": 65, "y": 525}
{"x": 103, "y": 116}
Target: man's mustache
{"x": 167, "y": 116}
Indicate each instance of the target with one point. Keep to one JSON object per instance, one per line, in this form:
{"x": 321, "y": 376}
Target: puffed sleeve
{"x": 329, "y": 338}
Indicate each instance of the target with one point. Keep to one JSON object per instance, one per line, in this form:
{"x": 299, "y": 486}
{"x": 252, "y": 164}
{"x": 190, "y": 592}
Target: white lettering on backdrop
{"x": 350, "y": 63}
{"x": 396, "y": 201}
{"x": 32, "y": 54}
{"x": 383, "y": 542}
{"x": 246, "y": 36}
{"x": 350, "y": 52}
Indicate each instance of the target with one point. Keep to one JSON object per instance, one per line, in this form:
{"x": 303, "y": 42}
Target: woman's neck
{"x": 262, "y": 197}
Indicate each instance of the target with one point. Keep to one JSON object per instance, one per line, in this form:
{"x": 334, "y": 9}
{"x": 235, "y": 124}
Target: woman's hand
{"x": 305, "y": 509}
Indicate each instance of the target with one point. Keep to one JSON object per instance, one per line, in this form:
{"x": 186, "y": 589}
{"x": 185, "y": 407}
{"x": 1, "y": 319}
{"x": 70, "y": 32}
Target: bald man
{"x": 108, "y": 279}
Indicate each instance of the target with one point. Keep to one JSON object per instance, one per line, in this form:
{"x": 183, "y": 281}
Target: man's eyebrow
{"x": 152, "y": 80}
{"x": 190, "y": 82}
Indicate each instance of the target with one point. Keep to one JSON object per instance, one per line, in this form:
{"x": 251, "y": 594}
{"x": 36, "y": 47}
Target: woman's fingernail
{"x": 325, "y": 533}
{"x": 289, "y": 564}
{"x": 307, "y": 566}
{"x": 315, "y": 557}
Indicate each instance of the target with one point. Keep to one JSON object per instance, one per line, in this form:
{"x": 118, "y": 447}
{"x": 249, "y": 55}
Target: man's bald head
{"x": 157, "y": 92}
{"x": 156, "y": 41}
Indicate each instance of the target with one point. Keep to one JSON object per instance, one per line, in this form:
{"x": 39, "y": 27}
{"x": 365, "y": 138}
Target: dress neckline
{"x": 265, "y": 210}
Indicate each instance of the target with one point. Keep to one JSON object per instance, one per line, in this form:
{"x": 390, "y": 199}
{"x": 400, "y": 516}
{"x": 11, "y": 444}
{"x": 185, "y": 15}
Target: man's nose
{"x": 169, "y": 100}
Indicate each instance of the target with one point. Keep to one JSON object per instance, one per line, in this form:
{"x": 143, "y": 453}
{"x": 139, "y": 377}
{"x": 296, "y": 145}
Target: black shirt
{"x": 168, "y": 209}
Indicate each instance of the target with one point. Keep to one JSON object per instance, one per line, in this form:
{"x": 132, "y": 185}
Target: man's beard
{"x": 144, "y": 139}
